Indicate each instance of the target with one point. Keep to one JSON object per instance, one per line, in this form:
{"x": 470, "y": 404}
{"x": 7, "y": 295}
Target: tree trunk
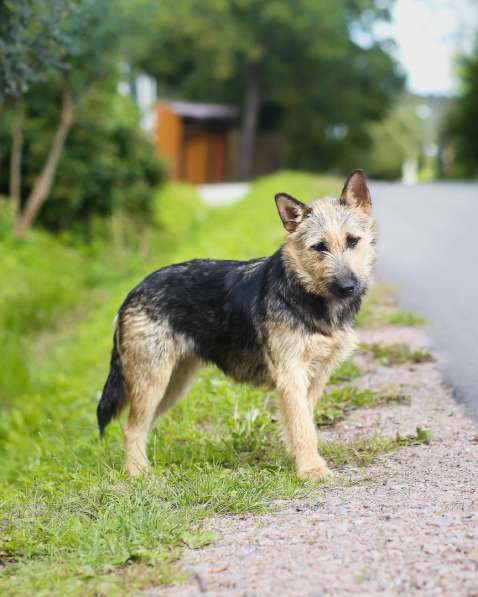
{"x": 43, "y": 182}
{"x": 16, "y": 158}
{"x": 249, "y": 122}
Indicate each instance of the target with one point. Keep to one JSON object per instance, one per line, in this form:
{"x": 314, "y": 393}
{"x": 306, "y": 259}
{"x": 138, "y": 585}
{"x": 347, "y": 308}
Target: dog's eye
{"x": 321, "y": 247}
{"x": 352, "y": 241}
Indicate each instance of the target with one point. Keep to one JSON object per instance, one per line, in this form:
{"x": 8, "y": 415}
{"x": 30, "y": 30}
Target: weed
{"x": 335, "y": 404}
{"x": 365, "y": 451}
{"x": 404, "y": 318}
{"x": 397, "y": 354}
{"x": 346, "y": 371}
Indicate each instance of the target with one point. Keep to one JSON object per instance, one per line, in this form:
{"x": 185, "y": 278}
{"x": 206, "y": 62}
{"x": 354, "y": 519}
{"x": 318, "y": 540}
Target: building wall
{"x": 203, "y": 159}
{"x": 168, "y": 139}
{"x": 194, "y": 150}
{"x": 200, "y": 152}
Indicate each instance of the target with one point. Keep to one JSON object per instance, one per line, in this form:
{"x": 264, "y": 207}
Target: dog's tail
{"x": 113, "y": 397}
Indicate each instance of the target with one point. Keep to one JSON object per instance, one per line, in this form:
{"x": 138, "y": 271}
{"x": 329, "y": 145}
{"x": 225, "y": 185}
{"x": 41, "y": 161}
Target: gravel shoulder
{"x": 408, "y": 524}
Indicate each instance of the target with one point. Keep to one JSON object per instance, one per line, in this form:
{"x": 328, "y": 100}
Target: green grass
{"x": 364, "y": 452}
{"x": 70, "y": 521}
{"x": 346, "y": 371}
{"x": 397, "y": 353}
{"x": 335, "y": 404}
{"x": 405, "y": 318}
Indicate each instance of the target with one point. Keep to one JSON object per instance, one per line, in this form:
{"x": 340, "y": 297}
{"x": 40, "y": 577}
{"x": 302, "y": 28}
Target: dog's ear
{"x": 355, "y": 192}
{"x": 291, "y": 211}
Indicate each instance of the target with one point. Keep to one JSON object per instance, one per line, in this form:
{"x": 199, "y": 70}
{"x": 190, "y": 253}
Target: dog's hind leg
{"x": 180, "y": 381}
{"x": 146, "y": 389}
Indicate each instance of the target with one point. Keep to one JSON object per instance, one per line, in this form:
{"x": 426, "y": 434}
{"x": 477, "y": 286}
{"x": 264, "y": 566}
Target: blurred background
{"x": 102, "y": 101}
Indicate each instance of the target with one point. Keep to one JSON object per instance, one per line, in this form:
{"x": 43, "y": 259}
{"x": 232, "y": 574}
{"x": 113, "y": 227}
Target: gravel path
{"x": 406, "y": 525}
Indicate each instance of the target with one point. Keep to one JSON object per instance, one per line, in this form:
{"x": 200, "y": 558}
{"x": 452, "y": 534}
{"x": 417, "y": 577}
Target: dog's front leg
{"x": 299, "y": 426}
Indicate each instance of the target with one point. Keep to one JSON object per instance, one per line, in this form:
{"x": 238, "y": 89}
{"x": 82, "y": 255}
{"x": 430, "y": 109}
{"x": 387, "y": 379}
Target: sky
{"x": 430, "y": 34}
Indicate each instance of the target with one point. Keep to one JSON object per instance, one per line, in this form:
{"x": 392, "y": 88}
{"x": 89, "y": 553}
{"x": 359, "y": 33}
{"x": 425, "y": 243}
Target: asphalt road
{"x": 428, "y": 247}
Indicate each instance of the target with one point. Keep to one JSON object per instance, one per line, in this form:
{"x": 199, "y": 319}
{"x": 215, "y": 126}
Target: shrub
{"x": 108, "y": 163}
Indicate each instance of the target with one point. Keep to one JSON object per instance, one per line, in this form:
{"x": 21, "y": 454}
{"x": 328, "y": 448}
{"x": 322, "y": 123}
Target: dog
{"x": 282, "y": 322}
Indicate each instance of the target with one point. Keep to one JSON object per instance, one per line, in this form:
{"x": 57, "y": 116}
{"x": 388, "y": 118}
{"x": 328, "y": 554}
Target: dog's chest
{"x": 319, "y": 347}
{"x": 296, "y": 346}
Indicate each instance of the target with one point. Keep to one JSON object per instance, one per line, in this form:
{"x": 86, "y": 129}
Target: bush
{"x": 108, "y": 163}
{"x": 460, "y": 134}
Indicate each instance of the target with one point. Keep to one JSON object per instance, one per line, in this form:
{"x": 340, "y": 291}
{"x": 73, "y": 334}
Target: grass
{"x": 335, "y": 404}
{"x": 70, "y": 521}
{"x": 364, "y": 452}
{"x": 346, "y": 371}
{"x": 397, "y": 354}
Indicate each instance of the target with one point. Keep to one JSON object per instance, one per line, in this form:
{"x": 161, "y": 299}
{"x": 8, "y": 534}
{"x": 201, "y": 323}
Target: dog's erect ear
{"x": 355, "y": 192}
{"x": 291, "y": 211}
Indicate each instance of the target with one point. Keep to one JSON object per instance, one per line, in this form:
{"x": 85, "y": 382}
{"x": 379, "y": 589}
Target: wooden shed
{"x": 193, "y": 138}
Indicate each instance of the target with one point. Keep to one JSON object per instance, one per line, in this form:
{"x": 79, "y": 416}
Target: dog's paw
{"x": 322, "y": 473}
{"x": 136, "y": 469}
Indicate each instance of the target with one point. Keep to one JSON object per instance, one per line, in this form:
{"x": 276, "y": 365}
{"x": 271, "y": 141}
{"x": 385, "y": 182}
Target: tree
{"x": 31, "y": 41}
{"x": 90, "y": 39}
{"x": 461, "y": 130}
{"x": 295, "y": 54}
{"x": 32, "y": 37}
{"x": 108, "y": 164}
{"x": 398, "y": 138}
{"x": 71, "y": 44}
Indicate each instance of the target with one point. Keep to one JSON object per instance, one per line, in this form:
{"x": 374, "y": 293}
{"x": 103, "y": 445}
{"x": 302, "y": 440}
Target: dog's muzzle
{"x": 344, "y": 286}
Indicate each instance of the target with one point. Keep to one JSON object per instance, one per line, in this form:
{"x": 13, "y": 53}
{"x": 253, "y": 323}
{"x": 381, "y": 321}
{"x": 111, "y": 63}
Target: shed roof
{"x": 202, "y": 111}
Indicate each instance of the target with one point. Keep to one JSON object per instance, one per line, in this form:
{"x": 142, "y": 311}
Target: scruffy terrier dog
{"x": 283, "y": 321}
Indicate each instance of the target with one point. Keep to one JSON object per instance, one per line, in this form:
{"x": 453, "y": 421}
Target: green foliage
{"x": 364, "y": 451}
{"x": 108, "y": 163}
{"x": 460, "y": 135}
{"x": 38, "y": 39}
{"x": 323, "y": 88}
{"x": 405, "y": 318}
{"x": 71, "y": 522}
{"x": 38, "y": 285}
{"x": 32, "y": 39}
{"x": 398, "y": 137}
{"x": 397, "y": 354}
{"x": 178, "y": 211}
{"x": 328, "y": 125}
{"x": 337, "y": 403}
{"x": 346, "y": 371}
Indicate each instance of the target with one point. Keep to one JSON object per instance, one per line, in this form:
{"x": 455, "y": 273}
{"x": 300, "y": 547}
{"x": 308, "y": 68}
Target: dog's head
{"x": 331, "y": 243}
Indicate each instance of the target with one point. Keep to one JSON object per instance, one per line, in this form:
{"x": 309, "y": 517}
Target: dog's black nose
{"x": 348, "y": 286}
{"x": 343, "y": 287}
